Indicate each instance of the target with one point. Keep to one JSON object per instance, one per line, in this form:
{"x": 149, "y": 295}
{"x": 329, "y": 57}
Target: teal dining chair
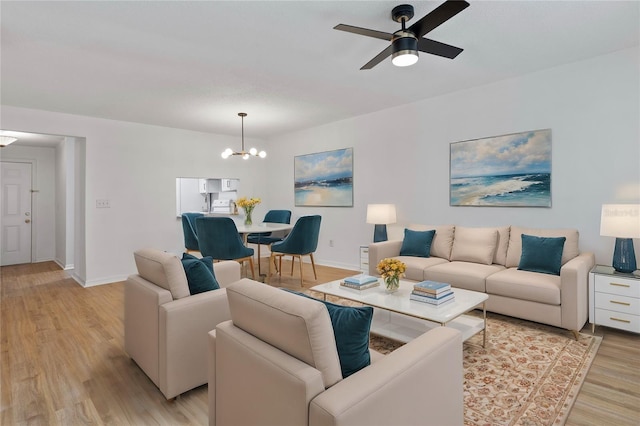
{"x": 189, "y": 230}
{"x": 218, "y": 237}
{"x": 302, "y": 241}
{"x": 266, "y": 238}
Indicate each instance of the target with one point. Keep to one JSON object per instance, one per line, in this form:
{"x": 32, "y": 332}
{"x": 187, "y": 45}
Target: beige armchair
{"x": 165, "y": 328}
{"x": 276, "y": 363}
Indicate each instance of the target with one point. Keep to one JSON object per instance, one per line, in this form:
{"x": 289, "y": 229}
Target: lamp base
{"x": 379, "y": 233}
{"x": 624, "y": 256}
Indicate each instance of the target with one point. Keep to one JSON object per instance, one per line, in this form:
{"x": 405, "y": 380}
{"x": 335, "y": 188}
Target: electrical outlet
{"x": 330, "y": 243}
{"x": 103, "y": 204}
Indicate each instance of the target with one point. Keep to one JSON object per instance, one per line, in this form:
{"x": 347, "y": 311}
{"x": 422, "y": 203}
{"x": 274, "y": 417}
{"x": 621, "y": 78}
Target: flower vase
{"x": 392, "y": 284}
{"x": 247, "y": 216}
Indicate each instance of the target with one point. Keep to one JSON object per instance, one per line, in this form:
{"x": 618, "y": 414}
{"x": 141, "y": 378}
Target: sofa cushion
{"x": 503, "y": 245}
{"x": 417, "y": 243}
{"x": 525, "y": 285}
{"x": 442, "y": 240}
{"x": 163, "y": 269}
{"x": 515, "y": 243}
{"x": 417, "y": 265}
{"x": 200, "y": 275}
{"x": 541, "y": 254}
{"x": 298, "y": 326}
{"x": 476, "y": 245}
{"x": 467, "y": 275}
{"x": 351, "y": 325}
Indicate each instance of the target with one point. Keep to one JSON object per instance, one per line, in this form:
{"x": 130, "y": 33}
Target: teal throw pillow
{"x": 417, "y": 243}
{"x": 351, "y": 329}
{"x": 200, "y": 276}
{"x": 541, "y": 254}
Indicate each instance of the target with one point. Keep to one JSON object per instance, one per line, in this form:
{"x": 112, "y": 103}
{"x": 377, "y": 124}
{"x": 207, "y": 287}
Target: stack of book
{"x": 360, "y": 282}
{"x": 432, "y": 292}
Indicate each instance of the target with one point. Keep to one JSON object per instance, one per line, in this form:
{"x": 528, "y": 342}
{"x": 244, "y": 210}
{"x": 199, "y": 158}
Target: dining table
{"x": 244, "y": 230}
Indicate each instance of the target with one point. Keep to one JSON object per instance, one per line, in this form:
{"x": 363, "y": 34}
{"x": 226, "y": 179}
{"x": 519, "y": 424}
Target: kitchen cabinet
{"x": 209, "y": 185}
{"x": 229, "y": 184}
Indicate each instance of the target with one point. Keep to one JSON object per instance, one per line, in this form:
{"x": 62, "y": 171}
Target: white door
{"x": 15, "y": 203}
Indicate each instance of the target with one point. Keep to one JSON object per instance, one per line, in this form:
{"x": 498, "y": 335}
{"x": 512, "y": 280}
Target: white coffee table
{"x": 397, "y": 317}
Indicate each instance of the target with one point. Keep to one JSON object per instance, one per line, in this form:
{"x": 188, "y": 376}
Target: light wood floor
{"x": 63, "y": 361}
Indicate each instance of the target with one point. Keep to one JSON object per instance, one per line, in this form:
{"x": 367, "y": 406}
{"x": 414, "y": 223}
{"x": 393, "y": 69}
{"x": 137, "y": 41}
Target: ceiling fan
{"x": 406, "y": 42}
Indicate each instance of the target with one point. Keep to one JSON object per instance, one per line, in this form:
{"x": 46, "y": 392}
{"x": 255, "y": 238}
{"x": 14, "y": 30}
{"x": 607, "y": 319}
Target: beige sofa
{"x": 487, "y": 259}
{"x": 165, "y": 328}
{"x": 259, "y": 375}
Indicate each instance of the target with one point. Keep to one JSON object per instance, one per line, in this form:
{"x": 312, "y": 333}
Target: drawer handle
{"x": 620, "y": 303}
{"x": 620, "y": 320}
{"x": 620, "y": 285}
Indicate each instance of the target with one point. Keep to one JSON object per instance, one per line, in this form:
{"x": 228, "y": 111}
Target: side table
{"x": 614, "y": 299}
{"x": 364, "y": 258}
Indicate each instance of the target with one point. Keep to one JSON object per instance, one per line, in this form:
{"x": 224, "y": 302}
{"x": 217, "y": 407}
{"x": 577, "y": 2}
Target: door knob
{"x": 27, "y": 221}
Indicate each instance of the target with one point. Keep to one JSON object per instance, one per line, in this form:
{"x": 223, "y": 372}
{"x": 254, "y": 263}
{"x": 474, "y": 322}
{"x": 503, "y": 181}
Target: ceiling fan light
{"x": 405, "y": 51}
{"x": 404, "y": 58}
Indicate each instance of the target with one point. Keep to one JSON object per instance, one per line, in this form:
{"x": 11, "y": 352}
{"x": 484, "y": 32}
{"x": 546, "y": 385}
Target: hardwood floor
{"x": 63, "y": 362}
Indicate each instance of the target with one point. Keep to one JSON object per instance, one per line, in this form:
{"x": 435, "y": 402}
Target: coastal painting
{"x": 507, "y": 171}
{"x": 324, "y": 179}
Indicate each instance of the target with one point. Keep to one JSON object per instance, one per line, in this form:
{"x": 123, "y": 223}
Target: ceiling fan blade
{"x": 436, "y": 17}
{"x": 379, "y": 58}
{"x": 436, "y": 48}
{"x": 364, "y": 31}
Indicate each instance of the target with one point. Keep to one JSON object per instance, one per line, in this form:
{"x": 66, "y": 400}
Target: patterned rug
{"x": 529, "y": 374}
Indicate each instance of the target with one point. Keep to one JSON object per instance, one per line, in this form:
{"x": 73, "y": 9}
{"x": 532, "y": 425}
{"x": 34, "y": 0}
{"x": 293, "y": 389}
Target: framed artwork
{"x": 506, "y": 171}
{"x": 324, "y": 178}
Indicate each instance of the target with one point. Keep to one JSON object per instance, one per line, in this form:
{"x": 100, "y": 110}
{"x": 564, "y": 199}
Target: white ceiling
{"x": 196, "y": 64}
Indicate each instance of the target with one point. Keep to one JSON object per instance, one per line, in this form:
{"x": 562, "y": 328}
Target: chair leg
{"x": 300, "y": 259}
{"x": 313, "y": 265}
{"x": 268, "y": 279}
{"x": 293, "y": 258}
{"x": 253, "y": 272}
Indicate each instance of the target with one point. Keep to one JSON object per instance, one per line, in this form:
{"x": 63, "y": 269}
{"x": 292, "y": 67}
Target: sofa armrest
{"x": 574, "y": 291}
{"x": 277, "y": 386}
{"x": 141, "y": 301}
{"x": 422, "y": 381}
{"x": 381, "y": 250}
{"x": 227, "y": 272}
{"x": 182, "y": 345}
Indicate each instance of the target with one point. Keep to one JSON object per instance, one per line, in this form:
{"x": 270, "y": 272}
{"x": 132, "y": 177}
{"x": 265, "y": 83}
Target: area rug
{"x": 529, "y": 374}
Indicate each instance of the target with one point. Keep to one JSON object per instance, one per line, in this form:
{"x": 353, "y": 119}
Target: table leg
{"x": 484, "y": 332}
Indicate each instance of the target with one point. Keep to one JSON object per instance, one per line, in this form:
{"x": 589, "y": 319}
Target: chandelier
{"x": 245, "y": 154}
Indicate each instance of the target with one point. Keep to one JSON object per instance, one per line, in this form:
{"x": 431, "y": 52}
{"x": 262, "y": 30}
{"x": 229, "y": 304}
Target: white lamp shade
{"x": 620, "y": 220}
{"x": 381, "y": 214}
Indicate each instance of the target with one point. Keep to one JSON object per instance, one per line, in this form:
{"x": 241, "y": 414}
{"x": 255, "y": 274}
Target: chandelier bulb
{"x": 262, "y": 154}
{"x": 253, "y": 151}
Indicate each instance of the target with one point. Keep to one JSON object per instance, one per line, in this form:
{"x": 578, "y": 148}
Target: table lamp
{"x": 623, "y": 222}
{"x": 381, "y": 215}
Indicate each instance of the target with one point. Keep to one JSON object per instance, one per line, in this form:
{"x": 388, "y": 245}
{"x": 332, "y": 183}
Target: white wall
{"x": 135, "y": 166}
{"x": 43, "y": 202}
{"x": 401, "y": 155}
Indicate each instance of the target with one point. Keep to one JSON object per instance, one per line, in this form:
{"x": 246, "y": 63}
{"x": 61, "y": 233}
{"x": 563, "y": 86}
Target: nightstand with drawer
{"x": 614, "y": 299}
{"x": 364, "y": 258}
